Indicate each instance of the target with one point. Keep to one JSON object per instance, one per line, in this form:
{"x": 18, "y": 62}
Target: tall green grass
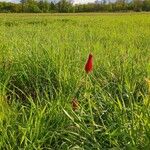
{"x": 42, "y": 60}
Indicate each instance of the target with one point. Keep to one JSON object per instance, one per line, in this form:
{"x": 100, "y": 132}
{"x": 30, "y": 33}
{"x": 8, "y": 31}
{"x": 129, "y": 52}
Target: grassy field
{"x": 42, "y": 59}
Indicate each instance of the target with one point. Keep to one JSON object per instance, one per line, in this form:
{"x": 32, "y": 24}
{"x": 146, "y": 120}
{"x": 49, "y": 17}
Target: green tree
{"x": 146, "y": 5}
{"x": 44, "y": 6}
{"x": 64, "y": 6}
{"x": 137, "y": 5}
{"x": 32, "y": 6}
{"x": 52, "y": 7}
{"x": 23, "y": 2}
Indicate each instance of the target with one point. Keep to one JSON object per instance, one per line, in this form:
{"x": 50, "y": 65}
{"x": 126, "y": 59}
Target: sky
{"x": 13, "y": 1}
{"x": 83, "y": 1}
{"x": 75, "y": 1}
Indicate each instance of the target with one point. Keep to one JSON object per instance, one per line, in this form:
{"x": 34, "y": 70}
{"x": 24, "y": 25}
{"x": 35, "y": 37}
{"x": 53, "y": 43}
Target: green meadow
{"x": 42, "y": 59}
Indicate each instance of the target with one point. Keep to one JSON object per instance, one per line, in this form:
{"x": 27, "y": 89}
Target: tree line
{"x": 64, "y": 6}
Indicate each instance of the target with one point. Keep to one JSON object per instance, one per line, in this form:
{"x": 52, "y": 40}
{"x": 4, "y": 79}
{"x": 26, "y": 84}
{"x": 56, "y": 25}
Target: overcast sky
{"x": 16, "y": 1}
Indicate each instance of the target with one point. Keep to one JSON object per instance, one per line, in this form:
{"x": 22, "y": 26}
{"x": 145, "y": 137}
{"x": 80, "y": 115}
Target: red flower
{"x": 89, "y": 64}
{"x": 75, "y": 104}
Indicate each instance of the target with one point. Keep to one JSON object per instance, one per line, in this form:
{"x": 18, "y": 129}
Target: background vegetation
{"x": 64, "y": 6}
{"x": 42, "y": 60}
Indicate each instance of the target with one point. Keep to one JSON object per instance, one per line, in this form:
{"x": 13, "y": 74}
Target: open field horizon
{"x": 49, "y": 101}
{"x": 78, "y": 14}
